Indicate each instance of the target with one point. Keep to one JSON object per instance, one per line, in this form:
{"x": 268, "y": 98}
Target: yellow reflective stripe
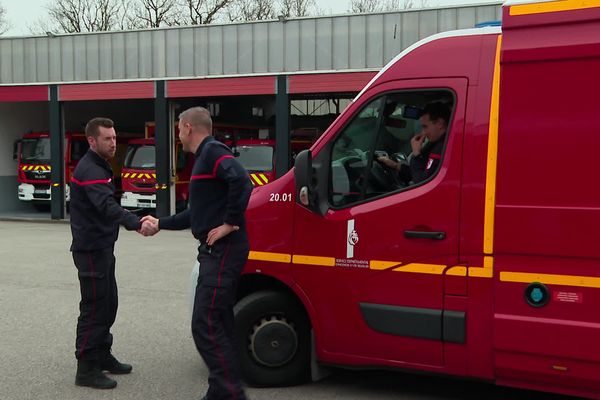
{"x": 133, "y": 175}
{"x": 435, "y": 269}
{"x": 154, "y": 176}
{"x": 24, "y": 167}
{"x": 126, "y": 175}
{"x": 553, "y": 6}
{"x": 313, "y": 260}
{"x": 264, "y": 178}
{"x": 147, "y": 176}
{"x": 379, "y": 265}
{"x": 457, "y": 271}
{"x": 265, "y": 256}
{"x": 487, "y": 271}
{"x": 492, "y": 159}
{"x": 30, "y": 168}
{"x": 564, "y": 280}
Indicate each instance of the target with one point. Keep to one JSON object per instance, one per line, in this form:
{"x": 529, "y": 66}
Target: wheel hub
{"x": 273, "y": 342}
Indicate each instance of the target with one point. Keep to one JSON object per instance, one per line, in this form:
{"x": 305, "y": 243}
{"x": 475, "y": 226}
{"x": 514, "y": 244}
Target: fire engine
{"x": 486, "y": 270}
{"x": 258, "y": 155}
{"x": 33, "y": 155}
{"x": 138, "y": 175}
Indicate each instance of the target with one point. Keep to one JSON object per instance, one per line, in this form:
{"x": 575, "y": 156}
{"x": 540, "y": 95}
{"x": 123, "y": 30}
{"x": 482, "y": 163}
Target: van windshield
{"x": 140, "y": 157}
{"x": 255, "y": 158}
{"x": 36, "y": 150}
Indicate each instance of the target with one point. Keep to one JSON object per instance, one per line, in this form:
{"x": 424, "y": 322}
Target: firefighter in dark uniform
{"x": 219, "y": 192}
{"x": 426, "y": 159}
{"x": 95, "y": 219}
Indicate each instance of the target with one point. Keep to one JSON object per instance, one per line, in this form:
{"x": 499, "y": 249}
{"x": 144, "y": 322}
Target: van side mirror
{"x": 311, "y": 182}
{"x": 303, "y": 177}
{"x": 16, "y": 146}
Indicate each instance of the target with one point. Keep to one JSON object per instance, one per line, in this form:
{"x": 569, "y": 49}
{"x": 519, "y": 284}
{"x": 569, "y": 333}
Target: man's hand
{"x": 417, "y": 143}
{"x": 388, "y": 162}
{"x": 149, "y": 226}
{"x": 219, "y": 232}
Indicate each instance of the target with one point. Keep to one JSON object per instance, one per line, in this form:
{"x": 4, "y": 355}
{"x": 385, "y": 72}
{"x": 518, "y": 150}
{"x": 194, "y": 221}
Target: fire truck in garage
{"x": 138, "y": 175}
{"x": 32, "y": 153}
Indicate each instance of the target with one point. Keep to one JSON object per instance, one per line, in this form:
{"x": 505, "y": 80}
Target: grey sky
{"x": 23, "y": 13}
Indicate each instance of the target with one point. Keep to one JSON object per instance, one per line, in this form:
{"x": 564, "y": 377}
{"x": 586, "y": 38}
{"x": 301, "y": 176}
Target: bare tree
{"x": 368, "y": 6}
{"x": 297, "y": 8}
{"x": 251, "y": 10}
{"x": 4, "y": 26}
{"x": 84, "y": 15}
{"x": 408, "y": 4}
{"x": 154, "y": 13}
{"x": 205, "y": 11}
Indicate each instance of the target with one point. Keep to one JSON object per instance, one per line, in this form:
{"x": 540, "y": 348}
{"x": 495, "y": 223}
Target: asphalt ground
{"x": 39, "y": 295}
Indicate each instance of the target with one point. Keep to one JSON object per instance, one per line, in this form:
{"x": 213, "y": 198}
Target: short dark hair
{"x": 437, "y": 110}
{"x": 91, "y": 128}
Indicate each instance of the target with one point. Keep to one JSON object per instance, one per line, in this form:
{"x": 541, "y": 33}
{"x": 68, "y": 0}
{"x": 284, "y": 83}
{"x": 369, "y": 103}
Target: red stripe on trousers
{"x": 89, "y": 330}
{"x": 211, "y": 333}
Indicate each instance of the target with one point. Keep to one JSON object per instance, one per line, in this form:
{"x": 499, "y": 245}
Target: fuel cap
{"x": 537, "y": 294}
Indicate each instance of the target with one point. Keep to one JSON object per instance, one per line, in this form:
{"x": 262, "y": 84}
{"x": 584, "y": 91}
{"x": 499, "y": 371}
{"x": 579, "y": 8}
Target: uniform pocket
{"x": 90, "y": 265}
{"x": 215, "y": 293}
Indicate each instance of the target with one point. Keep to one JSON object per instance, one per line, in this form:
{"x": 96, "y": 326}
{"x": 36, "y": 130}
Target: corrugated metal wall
{"x": 347, "y": 42}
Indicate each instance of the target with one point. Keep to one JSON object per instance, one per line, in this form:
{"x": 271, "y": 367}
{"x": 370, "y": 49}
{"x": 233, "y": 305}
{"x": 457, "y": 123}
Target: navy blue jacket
{"x": 424, "y": 165}
{"x": 220, "y": 189}
{"x": 95, "y": 214}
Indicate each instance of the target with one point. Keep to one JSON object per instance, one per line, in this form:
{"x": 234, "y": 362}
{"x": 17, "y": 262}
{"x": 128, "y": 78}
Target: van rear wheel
{"x": 272, "y": 338}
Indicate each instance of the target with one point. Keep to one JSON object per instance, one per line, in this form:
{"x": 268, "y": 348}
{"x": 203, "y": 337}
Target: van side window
{"x": 395, "y": 142}
{"x": 350, "y": 155}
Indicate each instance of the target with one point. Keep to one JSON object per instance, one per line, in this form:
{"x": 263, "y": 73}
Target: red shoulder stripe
{"x": 194, "y": 177}
{"x": 219, "y": 162}
{"x": 84, "y": 183}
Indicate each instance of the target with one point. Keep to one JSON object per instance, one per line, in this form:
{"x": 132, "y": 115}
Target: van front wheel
{"x": 272, "y": 338}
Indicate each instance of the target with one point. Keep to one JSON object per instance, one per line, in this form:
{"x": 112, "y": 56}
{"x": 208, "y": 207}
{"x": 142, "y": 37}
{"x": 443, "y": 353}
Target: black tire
{"x": 272, "y": 338}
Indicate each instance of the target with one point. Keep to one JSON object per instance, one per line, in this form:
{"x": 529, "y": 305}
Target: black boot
{"x": 89, "y": 374}
{"x": 109, "y": 363}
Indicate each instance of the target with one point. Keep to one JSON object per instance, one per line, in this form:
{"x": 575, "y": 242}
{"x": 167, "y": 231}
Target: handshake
{"x": 149, "y": 226}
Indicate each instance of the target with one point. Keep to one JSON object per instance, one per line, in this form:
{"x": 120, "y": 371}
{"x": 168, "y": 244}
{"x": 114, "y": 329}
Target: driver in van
{"x": 425, "y": 157}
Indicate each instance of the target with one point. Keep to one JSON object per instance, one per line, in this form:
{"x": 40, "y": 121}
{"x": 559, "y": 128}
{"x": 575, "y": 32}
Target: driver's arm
{"x": 388, "y": 162}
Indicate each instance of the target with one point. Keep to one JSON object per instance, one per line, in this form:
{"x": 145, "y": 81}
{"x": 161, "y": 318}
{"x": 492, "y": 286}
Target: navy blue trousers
{"x": 212, "y": 318}
{"x": 99, "y": 302}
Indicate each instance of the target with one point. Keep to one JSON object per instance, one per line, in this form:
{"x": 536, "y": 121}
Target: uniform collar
{"x": 99, "y": 160}
{"x": 203, "y": 144}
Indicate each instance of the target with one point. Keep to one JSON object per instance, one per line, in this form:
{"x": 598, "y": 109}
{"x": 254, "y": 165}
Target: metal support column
{"x": 163, "y": 151}
{"x": 282, "y": 127}
{"x": 57, "y": 157}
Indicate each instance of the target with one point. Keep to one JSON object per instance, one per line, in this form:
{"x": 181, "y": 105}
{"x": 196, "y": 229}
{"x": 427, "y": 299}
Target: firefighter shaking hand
{"x": 219, "y": 193}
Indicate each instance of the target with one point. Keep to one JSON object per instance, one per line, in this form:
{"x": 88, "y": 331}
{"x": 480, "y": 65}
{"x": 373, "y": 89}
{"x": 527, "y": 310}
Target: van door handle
{"x": 425, "y": 235}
